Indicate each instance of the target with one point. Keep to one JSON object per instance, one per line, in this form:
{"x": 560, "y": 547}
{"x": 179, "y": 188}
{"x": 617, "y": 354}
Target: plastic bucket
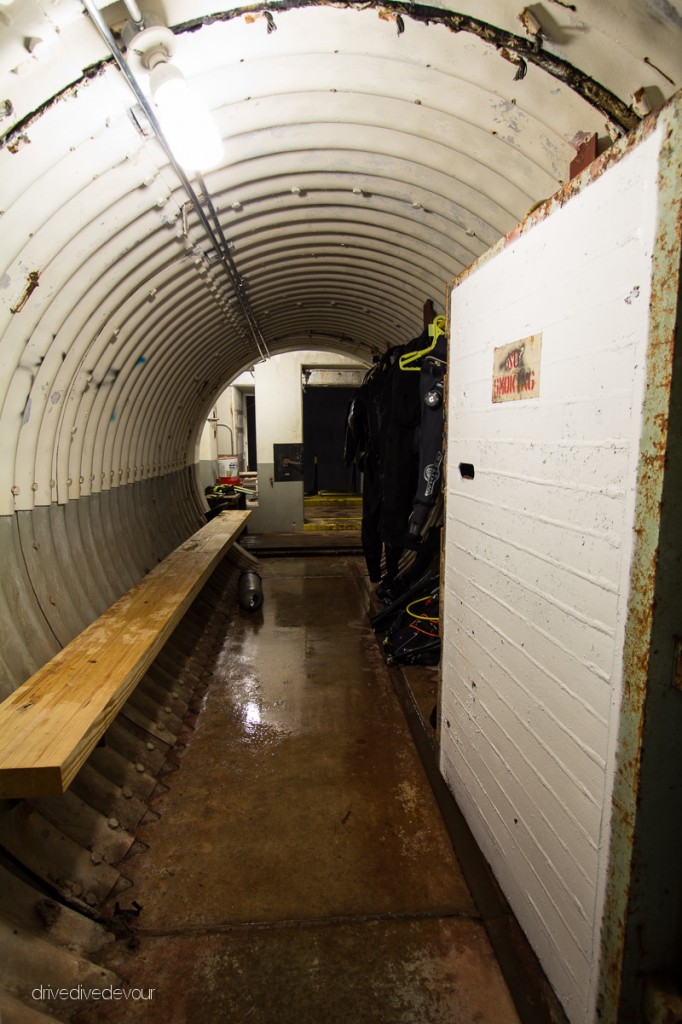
{"x": 228, "y": 469}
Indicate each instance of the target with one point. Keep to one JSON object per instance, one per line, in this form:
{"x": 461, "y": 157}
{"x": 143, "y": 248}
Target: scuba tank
{"x": 250, "y": 590}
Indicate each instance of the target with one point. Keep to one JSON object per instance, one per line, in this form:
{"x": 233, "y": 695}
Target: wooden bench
{"x": 52, "y": 722}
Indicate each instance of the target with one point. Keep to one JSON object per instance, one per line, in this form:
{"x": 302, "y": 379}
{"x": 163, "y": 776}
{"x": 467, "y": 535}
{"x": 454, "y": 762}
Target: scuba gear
{"x": 394, "y": 435}
{"x": 250, "y": 590}
{"x": 429, "y": 481}
{"x": 414, "y": 637}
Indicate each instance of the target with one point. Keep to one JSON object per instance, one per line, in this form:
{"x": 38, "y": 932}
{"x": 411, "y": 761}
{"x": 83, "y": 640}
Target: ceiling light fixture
{"x": 211, "y": 226}
{"x": 191, "y": 132}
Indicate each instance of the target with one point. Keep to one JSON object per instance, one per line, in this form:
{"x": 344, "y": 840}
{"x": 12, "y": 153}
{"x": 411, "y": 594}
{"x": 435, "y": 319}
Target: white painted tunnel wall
{"x": 279, "y": 420}
{"x": 538, "y": 552}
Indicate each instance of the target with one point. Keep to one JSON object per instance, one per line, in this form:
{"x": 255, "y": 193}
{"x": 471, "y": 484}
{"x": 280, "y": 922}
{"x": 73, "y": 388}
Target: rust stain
{"x": 32, "y": 282}
{"x": 642, "y": 601}
{"x": 16, "y": 136}
{"x": 19, "y": 140}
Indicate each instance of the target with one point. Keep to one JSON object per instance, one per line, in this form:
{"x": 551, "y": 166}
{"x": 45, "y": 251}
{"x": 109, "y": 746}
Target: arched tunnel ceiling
{"x": 371, "y": 152}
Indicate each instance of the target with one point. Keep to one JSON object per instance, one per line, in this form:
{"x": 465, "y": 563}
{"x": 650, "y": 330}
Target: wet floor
{"x": 299, "y": 870}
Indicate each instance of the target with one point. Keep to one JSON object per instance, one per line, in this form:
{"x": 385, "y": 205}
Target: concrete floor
{"x": 299, "y": 870}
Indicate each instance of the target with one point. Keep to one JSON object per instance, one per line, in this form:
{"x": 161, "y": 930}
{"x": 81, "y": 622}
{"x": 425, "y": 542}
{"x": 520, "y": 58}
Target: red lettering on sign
{"x": 523, "y": 381}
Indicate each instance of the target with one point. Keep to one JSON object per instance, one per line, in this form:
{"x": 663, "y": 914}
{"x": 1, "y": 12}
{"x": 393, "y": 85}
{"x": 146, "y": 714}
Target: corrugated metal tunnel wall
{"x": 369, "y": 156}
{"x": 371, "y": 152}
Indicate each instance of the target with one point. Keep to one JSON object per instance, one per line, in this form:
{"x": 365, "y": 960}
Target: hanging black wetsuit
{"x": 401, "y": 455}
{"x": 430, "y": 476}
{"x": 365, "y": 445}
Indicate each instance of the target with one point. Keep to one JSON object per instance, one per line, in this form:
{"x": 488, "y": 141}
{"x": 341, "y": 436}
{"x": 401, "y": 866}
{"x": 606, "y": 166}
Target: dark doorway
{"x": 324, "y": 430}
{"x": 250, "y": 406}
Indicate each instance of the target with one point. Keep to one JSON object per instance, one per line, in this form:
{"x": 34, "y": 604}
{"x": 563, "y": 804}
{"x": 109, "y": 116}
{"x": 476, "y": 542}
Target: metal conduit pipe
{"x": 134, "y": 12}
{"x": 218, "y": 241}
{"x": 227, "y": 427}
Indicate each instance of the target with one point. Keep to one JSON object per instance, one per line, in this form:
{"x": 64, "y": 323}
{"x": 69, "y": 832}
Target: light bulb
{"x": 188, "y": 126}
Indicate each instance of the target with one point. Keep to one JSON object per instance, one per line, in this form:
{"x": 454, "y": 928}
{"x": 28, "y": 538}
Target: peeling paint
{"x": 520, "y": 48}
{"x": 16, "y": 136}
{"x": 18, "y": 140}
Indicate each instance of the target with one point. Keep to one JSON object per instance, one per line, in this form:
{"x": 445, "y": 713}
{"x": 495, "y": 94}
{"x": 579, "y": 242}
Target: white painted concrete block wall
{"x": 279, "y": 420}
{"x": 538, "y": 550}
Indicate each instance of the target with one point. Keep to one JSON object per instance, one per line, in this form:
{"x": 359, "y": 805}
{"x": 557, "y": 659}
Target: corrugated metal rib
{"x": 407, "y": 155}
{"x": 27, "y": 640}
{"x": 64, "y": 565}
{"x": 75, "y": 846}
{"x": 51, "y": 575}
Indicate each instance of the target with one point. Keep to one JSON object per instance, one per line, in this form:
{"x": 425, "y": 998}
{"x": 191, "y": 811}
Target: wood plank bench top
{"x": 52, "y": 722}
